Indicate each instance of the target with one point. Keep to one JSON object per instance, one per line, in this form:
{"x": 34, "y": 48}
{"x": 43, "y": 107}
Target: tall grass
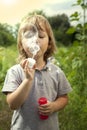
{"x": 7, "y": 59}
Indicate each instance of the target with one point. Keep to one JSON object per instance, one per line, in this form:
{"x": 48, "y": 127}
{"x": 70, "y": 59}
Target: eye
{"x": 41, "y": 35}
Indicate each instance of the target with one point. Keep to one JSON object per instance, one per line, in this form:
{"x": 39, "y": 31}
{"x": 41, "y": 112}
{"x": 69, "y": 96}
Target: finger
{"x": 23, "y": 63}
{"x": 34, "y": 67}
{"x": 44, "y": 105}
{"x": 44, "y": 109}
{"x": 45, "y": 112}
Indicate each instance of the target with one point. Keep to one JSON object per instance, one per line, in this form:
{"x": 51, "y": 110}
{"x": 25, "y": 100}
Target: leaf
{"x": 76, "y": 14}
{"x": 76, "y": 63}
{"x": 79, "y": 2}
{"x": 80, "y": 37}
{"x": 71, "y": 30}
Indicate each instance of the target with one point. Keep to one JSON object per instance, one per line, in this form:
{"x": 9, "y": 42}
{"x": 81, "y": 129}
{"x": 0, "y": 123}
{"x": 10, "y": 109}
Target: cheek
{"x": 24, "y": 44}
{"x": 46, "y": 42}
{"x": 25, "y": 48}
{"x": 44, "y": 45}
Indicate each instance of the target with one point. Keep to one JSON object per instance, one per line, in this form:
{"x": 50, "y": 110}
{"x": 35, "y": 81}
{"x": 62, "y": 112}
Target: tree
{"x": 60, "y": 25}
{"x": 6, "y": 35}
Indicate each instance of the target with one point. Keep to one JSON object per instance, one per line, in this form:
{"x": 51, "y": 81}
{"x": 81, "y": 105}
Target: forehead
{"x": 38, "y": 22}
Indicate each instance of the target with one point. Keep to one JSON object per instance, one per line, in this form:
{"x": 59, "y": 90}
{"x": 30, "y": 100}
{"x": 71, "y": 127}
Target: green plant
{"x": 73, "y": 60}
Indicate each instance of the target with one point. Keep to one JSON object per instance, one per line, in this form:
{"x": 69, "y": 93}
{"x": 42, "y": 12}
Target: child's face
{"x": 42, "y": 42}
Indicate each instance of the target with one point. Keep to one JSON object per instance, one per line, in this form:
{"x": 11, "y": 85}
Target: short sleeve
{"x": 64, "y": 86}
{"x": 12, "y": 80}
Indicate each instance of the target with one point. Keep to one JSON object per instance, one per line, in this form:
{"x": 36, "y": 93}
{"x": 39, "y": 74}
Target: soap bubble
{"x": 31, "y": 36}
{"x": 31, "y": 32}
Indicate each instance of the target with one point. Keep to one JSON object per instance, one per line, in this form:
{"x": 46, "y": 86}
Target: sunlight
{"x": 9, "y": 2}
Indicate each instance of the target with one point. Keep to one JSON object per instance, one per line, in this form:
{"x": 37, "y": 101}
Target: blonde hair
{"x": 40, "y": 22}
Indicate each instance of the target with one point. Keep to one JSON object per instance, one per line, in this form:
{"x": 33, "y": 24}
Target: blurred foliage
{"x": 6, "y": 35}
{"x": 7, "y": 59}
{"x": 58, "y": 23}
{"x": 72, "y": 59}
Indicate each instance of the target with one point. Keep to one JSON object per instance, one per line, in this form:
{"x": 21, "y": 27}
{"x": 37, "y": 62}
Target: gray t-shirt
{"x": 49, "y": 82}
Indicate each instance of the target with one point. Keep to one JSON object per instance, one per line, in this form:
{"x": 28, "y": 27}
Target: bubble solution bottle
{"x": 43, "y": 101}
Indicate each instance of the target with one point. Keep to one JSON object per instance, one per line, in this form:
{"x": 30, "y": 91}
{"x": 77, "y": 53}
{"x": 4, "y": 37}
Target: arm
{"x": 17, "y": 98}
{"x": 55, "y": 106}
{"x": 60, "y": 103}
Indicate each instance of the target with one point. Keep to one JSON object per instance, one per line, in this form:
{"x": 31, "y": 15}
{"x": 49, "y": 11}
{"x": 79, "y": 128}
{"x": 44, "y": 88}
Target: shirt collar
{"x": 47, "y": 67}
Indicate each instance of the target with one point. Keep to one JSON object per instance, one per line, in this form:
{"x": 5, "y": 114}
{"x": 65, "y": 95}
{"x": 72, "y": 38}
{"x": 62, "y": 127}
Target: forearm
{"x": 60, "y": 102}
{"x": 17, "y": 98}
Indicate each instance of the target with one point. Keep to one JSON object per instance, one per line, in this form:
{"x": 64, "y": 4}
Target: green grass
{"x": 5, "y": 113}
{"x": 7, "y": 59}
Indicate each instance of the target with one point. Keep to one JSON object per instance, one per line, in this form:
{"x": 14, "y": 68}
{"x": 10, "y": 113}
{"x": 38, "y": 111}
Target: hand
{"x": 47, "y": 109}
{"x": 29, "y": 73}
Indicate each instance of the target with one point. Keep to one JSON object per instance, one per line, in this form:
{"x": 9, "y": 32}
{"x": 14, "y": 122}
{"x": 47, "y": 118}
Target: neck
{"x": 40, "y": 64}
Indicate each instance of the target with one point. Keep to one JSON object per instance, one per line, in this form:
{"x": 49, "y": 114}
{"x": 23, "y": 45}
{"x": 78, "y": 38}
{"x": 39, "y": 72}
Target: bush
{"x": 73, "y": 60}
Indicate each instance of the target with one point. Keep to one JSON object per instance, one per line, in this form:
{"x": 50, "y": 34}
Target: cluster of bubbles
{"x": 31, "y": 36}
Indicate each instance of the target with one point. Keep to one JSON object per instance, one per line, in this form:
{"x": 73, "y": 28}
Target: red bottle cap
{"x": 42, "y": 100}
